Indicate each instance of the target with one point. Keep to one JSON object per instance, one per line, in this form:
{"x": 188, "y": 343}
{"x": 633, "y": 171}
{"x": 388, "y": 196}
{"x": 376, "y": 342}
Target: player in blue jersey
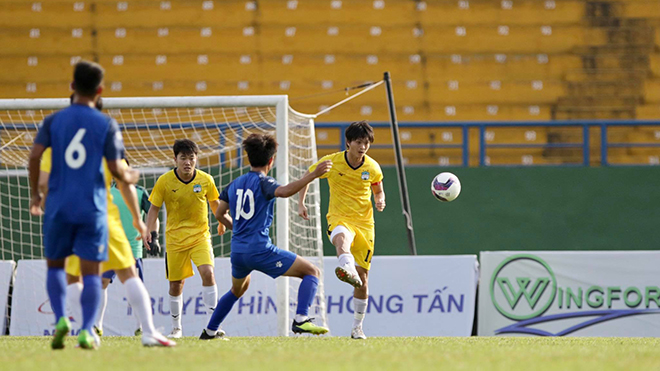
{"x": 251, "y": 198}
{"x": 75, "y": 220}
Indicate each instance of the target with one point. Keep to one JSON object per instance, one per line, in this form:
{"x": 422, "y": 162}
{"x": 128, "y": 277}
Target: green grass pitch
{"x": 336, "y": 353}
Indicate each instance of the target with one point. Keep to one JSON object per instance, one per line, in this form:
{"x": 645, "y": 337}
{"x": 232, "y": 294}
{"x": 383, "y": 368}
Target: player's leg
{"x": 90, "y": 301}
{"x": 225, "y": 304}
{"x": 58, "y": 242}
{"x": 140, "y": 301}
{"x": 139, "y": 266}
{"x": 106, "y": 280}
{"x": 202, "y": 257}
{"x": 360, "y": 303}
{"x": 74, "y": 287}
{"x": 310, "y": 274}
{"x": 342, "y": 238}
{"x": 362, "y": 250}
{"x": 178, "y": 267}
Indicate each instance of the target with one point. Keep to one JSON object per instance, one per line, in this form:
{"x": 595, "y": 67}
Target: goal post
{"x": 218, "y": 124}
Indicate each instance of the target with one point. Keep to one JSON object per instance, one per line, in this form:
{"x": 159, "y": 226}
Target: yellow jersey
{"x": 350, "y": 188}
{"x": 187, "y": 213}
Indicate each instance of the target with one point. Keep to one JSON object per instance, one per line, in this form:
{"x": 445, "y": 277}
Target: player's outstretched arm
{"x": 35, "y": 161}
{"x": 294, "y": 187}
{"x": 379, "y": 195}
{"x": 222, "y": 214}
{"x": 302, "y": 209}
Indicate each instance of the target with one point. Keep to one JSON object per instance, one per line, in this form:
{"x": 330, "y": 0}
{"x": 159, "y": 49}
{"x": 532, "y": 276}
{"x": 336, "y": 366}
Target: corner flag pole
{"x": 400, "y": 170}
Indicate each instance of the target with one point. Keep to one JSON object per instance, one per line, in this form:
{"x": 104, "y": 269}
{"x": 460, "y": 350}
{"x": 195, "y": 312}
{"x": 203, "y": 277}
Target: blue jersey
{"x": 251, "y": 199}
{"x": 80, "y": 137}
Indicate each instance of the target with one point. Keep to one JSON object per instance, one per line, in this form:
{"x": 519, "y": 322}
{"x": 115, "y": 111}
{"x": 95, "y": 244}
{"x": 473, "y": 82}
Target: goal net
{"x": 150, "y": 126}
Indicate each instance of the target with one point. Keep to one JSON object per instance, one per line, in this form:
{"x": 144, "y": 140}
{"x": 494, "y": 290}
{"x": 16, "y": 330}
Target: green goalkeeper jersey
{"x": 127, "y": 219}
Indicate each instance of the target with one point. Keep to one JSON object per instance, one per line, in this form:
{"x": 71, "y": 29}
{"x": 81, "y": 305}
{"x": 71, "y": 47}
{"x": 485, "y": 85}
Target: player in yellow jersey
{"x": 353, "y": 177}
{"x": 120, "y": 257}
{"x": 185, "y": 191}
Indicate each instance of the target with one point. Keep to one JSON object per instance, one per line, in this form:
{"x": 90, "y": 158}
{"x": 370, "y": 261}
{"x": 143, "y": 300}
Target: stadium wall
{"x": 519, "y": 208}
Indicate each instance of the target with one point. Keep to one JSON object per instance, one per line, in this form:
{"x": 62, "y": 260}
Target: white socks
{"x": 73, "y": 292}
{"x": 346, "y": 259}
{"x": 360, "y": 309}
{"x": 176, "y": 307}
{"x": 210, "y": 297}
{"x": 104, "y": 303}
{"x": 301, "y": 318}
{"x": 140, "y": 301}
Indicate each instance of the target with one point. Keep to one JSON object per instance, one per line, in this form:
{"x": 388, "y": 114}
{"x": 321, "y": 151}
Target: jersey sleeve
{"x": 313, "y": 167}
{"x": 114, "y": 143}
{"x": 156, "y": 197}
{"x": 46, "y": 161}
{"x": 144, "y": 200}
{"x": 268, "y": 187}
{"x": 212, "y": 193}
{"x": 43, "y": 135}
{"x": 378, "y": 174}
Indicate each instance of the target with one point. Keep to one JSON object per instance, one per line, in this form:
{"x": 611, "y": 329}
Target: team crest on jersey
{"x": 365, "y": 175}
{"x": 197, "y": 188}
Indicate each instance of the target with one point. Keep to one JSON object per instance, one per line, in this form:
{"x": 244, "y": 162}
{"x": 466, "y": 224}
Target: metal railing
{"x": 482, "y": 127}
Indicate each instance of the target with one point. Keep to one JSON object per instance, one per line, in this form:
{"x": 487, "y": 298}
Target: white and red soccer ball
{"x": 446, "y": 187}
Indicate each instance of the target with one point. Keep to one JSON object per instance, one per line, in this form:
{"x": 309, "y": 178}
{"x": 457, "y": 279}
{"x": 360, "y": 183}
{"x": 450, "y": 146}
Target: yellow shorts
{"x": 362, "y": 246}
{"x": 178, "y": 263}
{"x": 120, "y": 255}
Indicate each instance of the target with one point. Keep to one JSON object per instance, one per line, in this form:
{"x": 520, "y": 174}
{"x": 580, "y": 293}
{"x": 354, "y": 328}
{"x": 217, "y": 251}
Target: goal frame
{"x": 282, "y": 109}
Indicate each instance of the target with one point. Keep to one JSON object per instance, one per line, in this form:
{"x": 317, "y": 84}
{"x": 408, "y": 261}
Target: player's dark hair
{"x": 359, "y": 130}
{"x": 260, "y": 149}
{"x": 185, "y": 146}
{"x": 87, "y": 77}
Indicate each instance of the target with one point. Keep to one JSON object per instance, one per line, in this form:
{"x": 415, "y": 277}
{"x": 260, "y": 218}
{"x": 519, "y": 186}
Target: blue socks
{"x": 306, "y": 294}
{"x": 90, "y": 299}
{"x": 56, "y": 287}
{"x": 223, "y": 308}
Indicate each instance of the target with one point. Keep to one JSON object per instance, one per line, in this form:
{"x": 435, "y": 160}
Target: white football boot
{"x": 176, "y": 333}
{"x": 347, "y": 273}
{"x": 158, "y": 340}
{"x": 357, "y": 333}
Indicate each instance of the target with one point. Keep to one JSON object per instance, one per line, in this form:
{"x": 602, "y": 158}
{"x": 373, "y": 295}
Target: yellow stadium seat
{"x": 641, "y": 9}
{"x": 495, "y": 92}
{"x": 476, "y": 112}
{"x": 387, "y": 12}
{"x": 174, "y": 13}
{"x": 38, "y": 41}
{"x": 654, "y": 61}
{"x": 648, "y": 112}
{"x": 501, "y": 13}
{"x": 53, "y": 89}
{"x": 37, "y": 69}
{"x": 175, "y": 40}
{"x": 192, "y": 67}
{"x": 46, "y": 14}
{"x": 502, "y": 67}
{"x": 522, "y": 39}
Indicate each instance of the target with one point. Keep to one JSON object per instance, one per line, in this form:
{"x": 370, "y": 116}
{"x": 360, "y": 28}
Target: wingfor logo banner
{"x": 569, "y": 293}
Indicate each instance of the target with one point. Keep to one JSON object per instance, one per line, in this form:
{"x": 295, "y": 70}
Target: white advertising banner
{"x": 590, "y": 293}
{"x": 409, "y": 296}
{"x": 6, "y": 274}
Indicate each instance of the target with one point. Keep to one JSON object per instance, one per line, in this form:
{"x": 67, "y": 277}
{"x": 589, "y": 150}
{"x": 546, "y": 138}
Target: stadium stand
{"x": 464, "y": 60}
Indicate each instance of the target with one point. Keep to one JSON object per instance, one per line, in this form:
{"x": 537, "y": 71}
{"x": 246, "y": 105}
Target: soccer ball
{"x": 446, "y": 187}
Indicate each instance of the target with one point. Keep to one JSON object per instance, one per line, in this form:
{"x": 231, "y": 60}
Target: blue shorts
{"x": 138, "y": 265}
{"x": 87, "y": 240}
{"x": 271, "y": 261}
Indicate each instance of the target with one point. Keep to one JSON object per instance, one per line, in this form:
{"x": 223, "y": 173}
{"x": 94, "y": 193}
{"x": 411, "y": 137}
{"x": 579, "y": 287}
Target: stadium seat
{"x": 175, "y": 40}
{"x": 174, "y": 13}
{"x": 45, "y": 14}
{"x": 39, "y": 41}
{"x": 481, "y": 112}
{"x": 369, "y": 12}
{"x": 500, "y": 67}
{"x": 52, "y": 89}
{"x": 501, "y": 13}
{"x": 495, "y": 92}
{"x": 513, "y": 39}
{"x": 641, "y": 9}
{"x": 652, "y": 91}
{"x": 648, "y": 112}
{"x": 654, "y": 61}
{"x": 37, "y": 68}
